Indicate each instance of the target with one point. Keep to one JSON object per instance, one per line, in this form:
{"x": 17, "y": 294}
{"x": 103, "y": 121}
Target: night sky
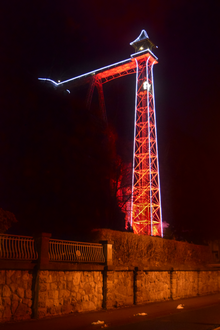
{"x": 62, "y": 39}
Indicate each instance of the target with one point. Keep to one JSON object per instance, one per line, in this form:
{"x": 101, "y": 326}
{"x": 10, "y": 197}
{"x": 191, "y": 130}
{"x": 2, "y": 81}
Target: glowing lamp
{"x": 146, "y": 86}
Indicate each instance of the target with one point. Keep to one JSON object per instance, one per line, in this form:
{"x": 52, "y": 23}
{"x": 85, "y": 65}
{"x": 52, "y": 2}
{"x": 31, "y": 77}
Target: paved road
{"x": 200, "y": 313}
{"x": 205, "y": 318}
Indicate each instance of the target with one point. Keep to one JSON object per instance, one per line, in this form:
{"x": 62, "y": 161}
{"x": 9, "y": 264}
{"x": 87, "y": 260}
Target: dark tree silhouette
{"x": 58, "y": 163}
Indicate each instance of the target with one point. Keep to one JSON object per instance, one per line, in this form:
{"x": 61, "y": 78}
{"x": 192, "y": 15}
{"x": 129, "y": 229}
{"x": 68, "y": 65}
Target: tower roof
{"x": 142, "y": 42}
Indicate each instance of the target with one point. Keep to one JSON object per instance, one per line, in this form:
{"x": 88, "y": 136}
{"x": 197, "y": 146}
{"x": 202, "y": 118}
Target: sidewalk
{"x": 113, "y": 317}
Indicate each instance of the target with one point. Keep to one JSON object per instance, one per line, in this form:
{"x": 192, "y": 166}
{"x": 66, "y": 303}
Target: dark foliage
{"x": 57, "y": 163}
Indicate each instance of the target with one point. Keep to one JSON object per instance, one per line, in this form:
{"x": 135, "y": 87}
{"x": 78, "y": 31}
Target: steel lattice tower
{"x": 143, "y": 210}
{"x": 146, "y": 205}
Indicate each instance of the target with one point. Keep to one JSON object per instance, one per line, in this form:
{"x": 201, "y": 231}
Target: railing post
{"x": 42, "y": 242}
{"x": 43, "y": 250}
{"x": 107, "y": 249}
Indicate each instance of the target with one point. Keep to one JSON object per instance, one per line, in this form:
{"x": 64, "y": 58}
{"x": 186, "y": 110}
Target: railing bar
{"x": 3, "y": 247}
{"x": 8, "y": 247}
{"x": 16, "y": 243}
{"x": 68, "y": 252}
{"x": 49, "y": 251}
{"x": 71, "y": 242}
{"x": 15, "y": 236}
{"x": 56, "y": 249}
{"x": 52, "y": 251}
{"x": 57, "y": 257}
{"x": 23, "y": 247}
{"x": 28, "y": 249}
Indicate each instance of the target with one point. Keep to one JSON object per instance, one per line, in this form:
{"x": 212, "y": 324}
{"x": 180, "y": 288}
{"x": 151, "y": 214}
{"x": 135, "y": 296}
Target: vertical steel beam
{"x": 146, "y": 206}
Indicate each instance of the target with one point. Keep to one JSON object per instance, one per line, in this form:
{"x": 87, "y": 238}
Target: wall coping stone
{"x": 71, "y": 266}
{"x": 17, "y": 264}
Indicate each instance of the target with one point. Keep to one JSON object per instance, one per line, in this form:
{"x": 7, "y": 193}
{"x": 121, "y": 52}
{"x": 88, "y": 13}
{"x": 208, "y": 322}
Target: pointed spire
{"x": 143, "y": 35}
{"x": 142, "y": 42}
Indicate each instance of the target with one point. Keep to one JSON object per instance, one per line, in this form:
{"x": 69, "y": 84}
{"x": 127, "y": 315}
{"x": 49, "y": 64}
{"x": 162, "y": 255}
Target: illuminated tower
{"x": 146, "y": 215}
{"x": 143, "y": 211}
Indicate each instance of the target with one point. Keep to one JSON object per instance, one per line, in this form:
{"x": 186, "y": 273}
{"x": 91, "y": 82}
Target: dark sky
{"x": 61, "y": 39}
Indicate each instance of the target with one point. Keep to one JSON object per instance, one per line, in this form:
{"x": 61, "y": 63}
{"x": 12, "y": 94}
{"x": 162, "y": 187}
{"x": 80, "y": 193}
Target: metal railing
{"x": 69, "y": 251}
{"x": 17, "y": 247}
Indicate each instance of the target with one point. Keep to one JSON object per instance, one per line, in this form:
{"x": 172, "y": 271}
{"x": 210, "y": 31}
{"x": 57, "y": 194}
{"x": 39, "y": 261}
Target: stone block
{"x": 73, "y": 294}
{"x": 28, "y": 293}
{"x": 27, "y": 301}
{"x": 29, "y": 284}
{"x": 23, "y": 312}
{"x": 15, "y": 297}
{"x": 66, "y": 309}
{"x": 82, "y": 292}
{"x": 42, "y": 296}
{"x": 87, "y": 288}
{"x": 99, "y": 290}
{"x": 56, "y": 302}
{"x": 7, "y": 313}
{"x": 9, "y": 273}
{"x": 69, "y": 285}
{"x": 42, "y": 287}
{"x": 8, "y": 280}
{"x": 75, "y": 289}
{"x": 60, "y": 276}
{"x": 6, "y": 301}
{"x": 64, "y": 293}
{"x": 51, "y": 310}
{"x": 53, "y": 294}
{"x": 76, "y": 278}
{"x": 41, "y": 304}
{"x": 53, "y": 286}
{"x": 78, "y": 296}
{"x": 13, "y": 287}
{"x": 94, "y": 299}
{"x": 26, "y": 276}
{"x": 14, "y": 306}
{"x": 54, "y": 276}
{"x": 85, "y": 298}
{"x": 20, "y": 292}
{"x": 2, "y": 276}
{"x": 16, "y": 276}
{"x": 49, "y": 303}
{"x": 61, "y": 285}
{"x": 88, "y": 306}
{"x": 69, "y": 276}
{"x": 6, "y": 291}
{"x": 42, "y": 312}
{"x": 43, "y": 276}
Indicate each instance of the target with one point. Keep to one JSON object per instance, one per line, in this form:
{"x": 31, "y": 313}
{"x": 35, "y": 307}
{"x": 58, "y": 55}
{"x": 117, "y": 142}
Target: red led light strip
{"x": 145, "y": 212}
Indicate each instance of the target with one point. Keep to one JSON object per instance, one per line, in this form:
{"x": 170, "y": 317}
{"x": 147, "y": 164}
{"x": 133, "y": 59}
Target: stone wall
{"x": 39, "y": 293}
{"x": 15, "y": 294}
{"x": 139, "y": 272}
{"x": 184, "y": 284}
{"x": 152, "y": 286}
{"x": 209, "y": 282}
{"x": 119, "y": 287}
{"x": 62, "y": 292}
{"x": 148, "y": 252}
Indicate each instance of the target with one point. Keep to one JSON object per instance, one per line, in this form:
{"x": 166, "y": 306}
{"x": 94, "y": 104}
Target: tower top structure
{"x": 142, "y": 42}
